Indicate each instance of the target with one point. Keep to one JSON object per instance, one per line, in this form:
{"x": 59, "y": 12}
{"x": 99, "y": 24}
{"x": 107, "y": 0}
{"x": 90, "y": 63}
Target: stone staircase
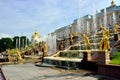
{"x": 72, "y": 57}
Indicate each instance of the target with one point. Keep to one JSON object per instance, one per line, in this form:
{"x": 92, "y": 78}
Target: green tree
{"x": 5, "y": 43}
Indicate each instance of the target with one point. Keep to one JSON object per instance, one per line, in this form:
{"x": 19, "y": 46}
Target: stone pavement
{"x": 29, "y": 71}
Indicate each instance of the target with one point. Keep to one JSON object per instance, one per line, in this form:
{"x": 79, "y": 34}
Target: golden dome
{"x": 112, "y": 3}
{"x": 36, "y": 34}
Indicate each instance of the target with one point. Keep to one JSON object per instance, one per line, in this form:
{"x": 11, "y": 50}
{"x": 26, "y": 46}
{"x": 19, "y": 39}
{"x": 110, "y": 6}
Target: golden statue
{"x": 104, "y": 43}
{"x": 116, "y": 28}
{"x": 9, "y": 55}
{"x": 105, "y": 31}
{"x": 44, "y": 47}
{"x": 75, "y": 34}
{"x": 20, "y": 59}
{"x": 71, "y": 39}
{"x": 86, "y": 40}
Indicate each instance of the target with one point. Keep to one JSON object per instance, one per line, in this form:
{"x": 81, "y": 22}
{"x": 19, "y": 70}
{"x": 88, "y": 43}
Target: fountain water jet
{"x": 94, "y": 27}
{"x": 105, "y": 19}
{"x": 51, "y": 44}
{"x": 114, "y": 18}
{"x": 79, "y": 20}
{"x": 94, "y": 23}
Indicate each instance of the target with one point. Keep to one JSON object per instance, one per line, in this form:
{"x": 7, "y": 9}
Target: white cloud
{"x": 3, "y": 35}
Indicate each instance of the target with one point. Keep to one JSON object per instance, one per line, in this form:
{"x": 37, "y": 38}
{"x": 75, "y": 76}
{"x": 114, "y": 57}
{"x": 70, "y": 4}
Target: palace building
{"x": 112, "y": 15}
{"x": 107, "y": 16}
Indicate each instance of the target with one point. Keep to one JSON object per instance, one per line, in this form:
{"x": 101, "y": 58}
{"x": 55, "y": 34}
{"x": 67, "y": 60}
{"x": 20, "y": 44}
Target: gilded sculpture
{"x": 104, "y": 43}
{"x": 116, "y": 29}
{"x": 71, "y": 39}
{"x": 87, "y": 43}
{"x": 44, "y": 47}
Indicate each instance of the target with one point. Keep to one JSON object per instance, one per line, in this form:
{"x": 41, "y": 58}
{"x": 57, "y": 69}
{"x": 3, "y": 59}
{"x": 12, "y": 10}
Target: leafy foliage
{"x": 116, "y": 59}
{"x": 5, "y": 43}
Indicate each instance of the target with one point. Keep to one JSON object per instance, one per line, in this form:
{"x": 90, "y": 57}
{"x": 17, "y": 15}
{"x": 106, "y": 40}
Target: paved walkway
{"x": 29, "y": 71}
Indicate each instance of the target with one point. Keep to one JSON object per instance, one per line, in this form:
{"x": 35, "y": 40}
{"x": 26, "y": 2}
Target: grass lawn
{"x": 116, "y": 59}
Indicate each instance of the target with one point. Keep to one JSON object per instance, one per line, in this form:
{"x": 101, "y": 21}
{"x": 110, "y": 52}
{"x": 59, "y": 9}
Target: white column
{"x": 19, "y": 42}
{"x": 16, "y": 43}
{"x": 26, "y": 42}
{"x": 23, "y": 43}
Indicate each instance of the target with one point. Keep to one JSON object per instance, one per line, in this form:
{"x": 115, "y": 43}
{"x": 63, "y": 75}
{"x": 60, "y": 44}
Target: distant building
{"x": 112, "y": 14}
{"x": 65, "y": 31}
{"x": 86, "y": 22}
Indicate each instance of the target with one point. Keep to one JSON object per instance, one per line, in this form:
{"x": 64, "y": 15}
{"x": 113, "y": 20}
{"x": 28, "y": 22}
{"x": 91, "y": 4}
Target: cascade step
{"x": 68, "y": 63}
{"x": 71, "y": 57}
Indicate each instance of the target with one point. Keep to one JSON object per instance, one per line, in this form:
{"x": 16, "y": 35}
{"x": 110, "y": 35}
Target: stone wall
{"x": 109, "y": 70}
{"x": 89, "y": 65}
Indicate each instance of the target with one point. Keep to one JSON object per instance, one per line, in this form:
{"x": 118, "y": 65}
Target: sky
{"x": 24, "y": 17}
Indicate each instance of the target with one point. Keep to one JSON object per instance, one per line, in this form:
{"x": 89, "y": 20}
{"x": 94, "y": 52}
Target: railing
{"x": 2, "y": 75}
